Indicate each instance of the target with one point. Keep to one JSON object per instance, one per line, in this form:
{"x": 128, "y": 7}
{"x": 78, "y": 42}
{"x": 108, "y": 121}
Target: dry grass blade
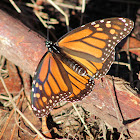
{"x": 83, "y": 6}
{"x": 15, "y": 125}
{"x": 87, "y": 130}
{"x": 68, "y": 6}
{"x": 61, "y": 11}
{"x": 15, "y": 6}
{"x": 15, "y": 108}
{"x": 8, "y": 120}
{"x": 42, "y": 21}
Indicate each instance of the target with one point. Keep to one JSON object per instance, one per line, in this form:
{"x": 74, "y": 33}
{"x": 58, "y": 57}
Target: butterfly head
{"x": 52, "y": 47}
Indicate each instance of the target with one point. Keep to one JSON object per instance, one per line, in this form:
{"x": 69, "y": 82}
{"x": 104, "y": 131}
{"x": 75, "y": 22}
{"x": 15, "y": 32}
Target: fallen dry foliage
{"x": 24, "y": 48}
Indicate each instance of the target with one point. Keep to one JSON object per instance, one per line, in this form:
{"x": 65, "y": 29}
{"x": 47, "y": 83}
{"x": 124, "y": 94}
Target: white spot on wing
{"x": 83, "y": 26}
{"x": 93, "y": 23}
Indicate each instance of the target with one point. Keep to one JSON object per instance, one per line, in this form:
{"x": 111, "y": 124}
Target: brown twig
{"x": 17, "y": 110}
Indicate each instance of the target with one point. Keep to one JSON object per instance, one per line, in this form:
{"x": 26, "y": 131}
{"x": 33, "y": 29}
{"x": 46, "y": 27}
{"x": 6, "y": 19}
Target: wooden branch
{"x": 19, "y": 44}
{"x": 25, "y": 48}
{"x": 100, "y": 103}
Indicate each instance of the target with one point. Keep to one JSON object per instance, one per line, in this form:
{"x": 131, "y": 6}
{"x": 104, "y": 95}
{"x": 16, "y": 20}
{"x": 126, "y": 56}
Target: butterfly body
{"x": 71, "y": 63}
{"x": 68, "y": 68}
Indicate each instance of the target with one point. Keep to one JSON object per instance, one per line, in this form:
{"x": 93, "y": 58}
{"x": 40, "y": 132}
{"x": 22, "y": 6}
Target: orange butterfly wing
{"x": 53, "y": 82}
{"x": 92, "y": 44}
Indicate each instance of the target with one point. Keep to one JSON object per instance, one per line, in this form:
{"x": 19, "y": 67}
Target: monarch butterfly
{"x": 68, "y": 68}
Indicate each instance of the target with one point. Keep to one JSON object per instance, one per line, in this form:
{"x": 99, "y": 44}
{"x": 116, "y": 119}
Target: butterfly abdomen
{"x": 79, "y": 69}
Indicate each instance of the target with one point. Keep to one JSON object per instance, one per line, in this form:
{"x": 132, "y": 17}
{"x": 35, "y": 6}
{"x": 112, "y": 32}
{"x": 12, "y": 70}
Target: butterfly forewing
{"x": 95, "y": 41}
{"x": 50, "y": 85}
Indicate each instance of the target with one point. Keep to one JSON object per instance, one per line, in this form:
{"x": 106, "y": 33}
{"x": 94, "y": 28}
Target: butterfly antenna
{"x": 48, "y": 34}
{"x": 82, "y": 11}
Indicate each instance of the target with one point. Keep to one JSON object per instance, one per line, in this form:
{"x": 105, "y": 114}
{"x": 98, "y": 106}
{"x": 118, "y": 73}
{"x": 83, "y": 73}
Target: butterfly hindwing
{"x": 81, "y": 85}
